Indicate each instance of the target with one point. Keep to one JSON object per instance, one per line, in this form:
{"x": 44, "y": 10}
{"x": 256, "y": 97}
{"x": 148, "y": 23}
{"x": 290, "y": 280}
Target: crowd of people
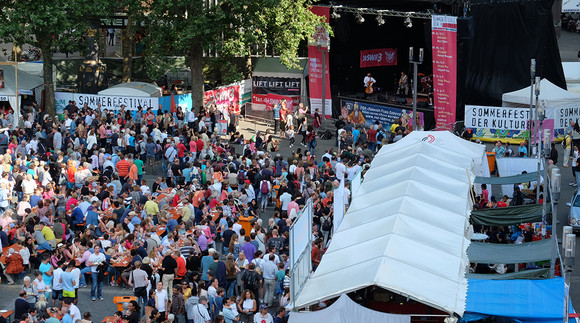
{"x": 207, "y": 240}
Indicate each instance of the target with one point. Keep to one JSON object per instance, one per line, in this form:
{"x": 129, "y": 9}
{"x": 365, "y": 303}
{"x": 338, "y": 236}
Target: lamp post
{"x": 569, "y": 246}
{"x": 555, "y": 181}
{"x": 539, "y": 120}
{"x": 415, "y": 71}
{"x": 531, "y": 125}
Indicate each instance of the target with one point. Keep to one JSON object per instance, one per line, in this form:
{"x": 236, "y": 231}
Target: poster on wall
{"x": 224, "y": 97}
{"x": 444, "y": 40}
{"x": 378, "y": 57}
{"x": 366, "y": 114}
{"x": 316, "y": 70}
{"x": 106, "y": 101}
{"x": 266, "y": 88}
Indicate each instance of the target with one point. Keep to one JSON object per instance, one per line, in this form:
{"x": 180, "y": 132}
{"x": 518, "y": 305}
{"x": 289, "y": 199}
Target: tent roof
{"x": 133, "y": 89}
{"x": 406, "y": 224}
{"x": 496, "y": 253}
{"x": 552, "y": 94}
{"x": 520, "y": 299}
{"x": 571, "y": 72}
{"x": 345, "y": 310}
{"x": 26, "y": 81}
{"x": 271, "y": 66}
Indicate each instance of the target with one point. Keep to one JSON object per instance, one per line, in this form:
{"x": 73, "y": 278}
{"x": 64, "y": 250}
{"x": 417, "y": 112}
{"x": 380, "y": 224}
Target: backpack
{"x": 241, "y": 177}
{"x": 264, "y": 189}
{"x": 326, "y": 225}
{"x": 251, "y": 280}
{"x": 380, "y": 136}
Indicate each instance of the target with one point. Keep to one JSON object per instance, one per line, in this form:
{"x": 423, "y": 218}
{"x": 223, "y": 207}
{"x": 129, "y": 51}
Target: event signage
{"x": 3, "y": 98}
{"x": 378, "y": 57}
{"x": 563, "y": 114}
{"x": 315, "y": 68}
{"x": 497, "y": 117}
{"x": 444, "y": 39}
{"x": 362, "y": 113}
{"x": 224, "y": 98}
{"x": 267, "y": 91}
{"x": 1, "y": 78}
{"x": 106, "y": 101}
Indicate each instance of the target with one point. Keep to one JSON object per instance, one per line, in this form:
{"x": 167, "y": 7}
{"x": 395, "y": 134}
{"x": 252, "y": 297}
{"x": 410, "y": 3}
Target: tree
{"x": 228, "y": 27}
{"x": 56, "y": 25}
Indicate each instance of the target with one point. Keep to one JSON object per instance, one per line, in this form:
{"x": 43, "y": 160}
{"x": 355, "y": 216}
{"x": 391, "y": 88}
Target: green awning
{"x": 541, "y": 273}
{"x": 516, "y": 179}
{"x": 497, "y": 253}
{"x": 510, "y": 215}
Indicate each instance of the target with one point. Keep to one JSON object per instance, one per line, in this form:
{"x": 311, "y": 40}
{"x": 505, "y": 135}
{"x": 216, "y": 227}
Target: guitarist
{"x": 368, "y": 84}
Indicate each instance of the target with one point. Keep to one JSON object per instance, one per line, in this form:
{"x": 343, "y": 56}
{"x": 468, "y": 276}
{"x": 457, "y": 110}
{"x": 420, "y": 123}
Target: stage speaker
{"x": 422, "y": 104}
{"x": 465, "y": 28}
{"x": 401, "y": 100}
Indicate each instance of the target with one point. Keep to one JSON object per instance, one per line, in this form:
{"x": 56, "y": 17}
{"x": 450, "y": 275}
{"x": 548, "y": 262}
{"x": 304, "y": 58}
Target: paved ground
{"x": 569, "y": 44}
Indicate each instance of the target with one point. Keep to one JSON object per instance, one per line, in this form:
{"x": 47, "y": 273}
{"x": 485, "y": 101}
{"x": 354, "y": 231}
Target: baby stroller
{"x": 107, "y": 175}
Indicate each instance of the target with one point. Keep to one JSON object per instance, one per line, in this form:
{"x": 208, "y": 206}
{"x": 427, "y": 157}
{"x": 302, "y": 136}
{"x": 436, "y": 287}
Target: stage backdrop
{"x": 444, "y": 38}
{"x": 362, "y": 113}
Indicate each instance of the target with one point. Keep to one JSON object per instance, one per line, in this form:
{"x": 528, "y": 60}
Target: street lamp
{"x": 415, "y": 71}
{"x": 531, "y": 125}
{"x": 540, "y": 119}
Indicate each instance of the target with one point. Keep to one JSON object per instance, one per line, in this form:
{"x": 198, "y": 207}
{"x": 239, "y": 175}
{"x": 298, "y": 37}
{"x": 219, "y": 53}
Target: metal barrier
{"x": 263, "y": 116}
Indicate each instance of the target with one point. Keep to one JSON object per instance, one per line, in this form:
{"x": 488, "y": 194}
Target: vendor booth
{"x": 28, "y": 85}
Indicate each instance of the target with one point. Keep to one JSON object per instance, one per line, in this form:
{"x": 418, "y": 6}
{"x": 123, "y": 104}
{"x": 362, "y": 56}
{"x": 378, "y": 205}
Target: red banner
{"x": 378, "y": 57}
{"x": 315, "y": 67}
{"x": 269, "y": 100}
{"x": 444, "y": 38}
{"x": 224, "y": 98}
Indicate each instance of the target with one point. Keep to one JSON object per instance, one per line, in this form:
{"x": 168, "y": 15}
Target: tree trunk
{"x": 196, "y": 56}
{"x": 16, "y": 50}
{"x": 49, "y": 103}
{"x": 248, "y": 67}
{"x": 128, "y": 44}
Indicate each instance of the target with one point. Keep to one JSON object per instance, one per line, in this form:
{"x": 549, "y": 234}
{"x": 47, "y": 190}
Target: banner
{"x": 224, "y": 97}
{"x": 315, "y": 69}
{"x": 273, "y": 99}
{"x": 106, "y": 101}
{"x": 362, "y": 113}
{"x": 1, "y": 78}
{"x": 497, "y": 117}
{"x": 3, "y": 98}
{"x": 378, "y": 57}
{"x": 181, "y": 100}
{"x": 444, "y": 39}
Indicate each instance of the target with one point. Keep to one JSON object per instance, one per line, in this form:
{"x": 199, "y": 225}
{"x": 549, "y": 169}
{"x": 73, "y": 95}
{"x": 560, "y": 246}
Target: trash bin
{"x": 491, "y": 161}
{"x": 246, "y": 222}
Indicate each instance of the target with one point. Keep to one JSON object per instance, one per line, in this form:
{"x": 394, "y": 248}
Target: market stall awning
{"x": 525, "y": 300}
{"x": 541, "y": 273}
{"x": 406, "y": 225}
{"x": 509, "y": 215}
{"x": 516, "y": 179}
{"x": 497, "y": 253}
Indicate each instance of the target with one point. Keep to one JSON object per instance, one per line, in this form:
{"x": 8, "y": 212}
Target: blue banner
{"x": 362, "y": 113}
{"x": 181, "y": 100}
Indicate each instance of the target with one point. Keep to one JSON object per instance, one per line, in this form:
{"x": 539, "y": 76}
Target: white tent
{"x": 550, "y": 93}
{"x": 405, "y": 230}
{"x": 345, "y": 310}
{"x": 572, "y": 74}
{"x": 449, "y": 141}
{"x": 135, "y": 89}
{"x": 27, "y": 83}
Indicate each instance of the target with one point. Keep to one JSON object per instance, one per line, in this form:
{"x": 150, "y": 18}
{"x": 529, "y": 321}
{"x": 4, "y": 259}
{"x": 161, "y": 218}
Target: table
{"x": 16, "y": 248}
{"x": 109, "y": 319}
{"x": 122, "y": 262}
{"x": 6, "y": 314}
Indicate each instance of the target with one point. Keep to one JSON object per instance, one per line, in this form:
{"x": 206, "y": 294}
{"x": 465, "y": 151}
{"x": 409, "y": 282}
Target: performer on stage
{"x": 368, "y": 83}
{"x": 403, "y": 84}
